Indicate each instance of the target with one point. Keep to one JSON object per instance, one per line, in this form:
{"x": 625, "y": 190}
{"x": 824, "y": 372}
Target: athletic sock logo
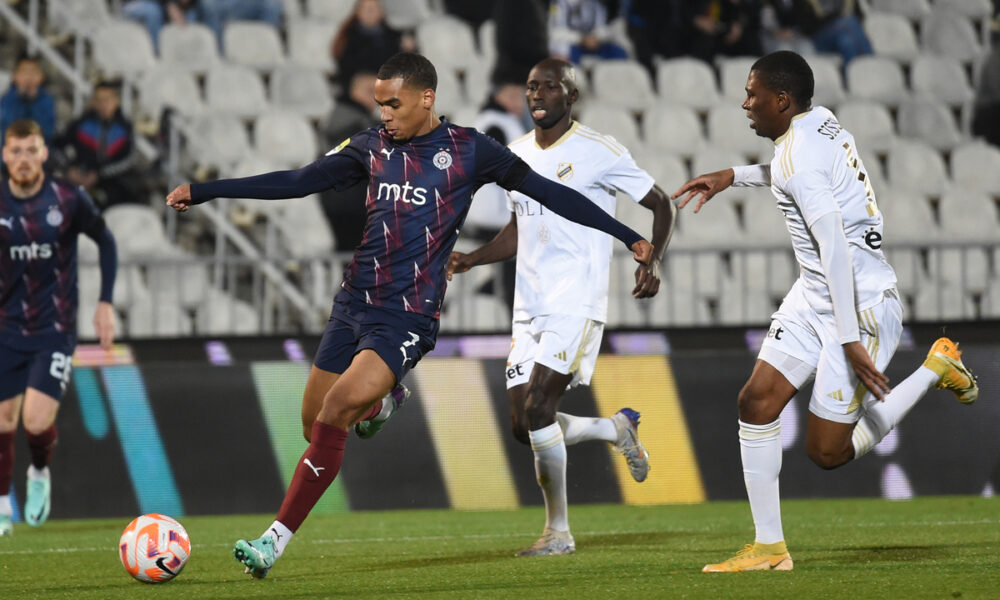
{"x": 314, "y": 468}
{"x": 277, "y": 536}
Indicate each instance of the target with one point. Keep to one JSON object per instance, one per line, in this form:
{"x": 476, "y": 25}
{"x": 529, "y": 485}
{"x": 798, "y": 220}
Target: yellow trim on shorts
{"x": 872, "y": 346}
{"x": 588, "y": 332}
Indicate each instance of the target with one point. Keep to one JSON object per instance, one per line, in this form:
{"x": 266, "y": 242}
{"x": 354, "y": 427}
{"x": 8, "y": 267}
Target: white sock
{"x": 37, "y": 474}
{"x": 882, "y": 416}
{"x": 550, "y": 469}
{"x": 581, "y": 429}
{"x": 386, "y": 409}
{"x": 760, "y": 448}
{"x": 281, "y": 536}
{"x": 5, "y": 507}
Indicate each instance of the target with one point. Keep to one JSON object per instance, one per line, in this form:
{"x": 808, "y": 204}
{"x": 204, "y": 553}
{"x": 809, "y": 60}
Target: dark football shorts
{"x": 46, "y": 368}
{"x": 399, "y": 338}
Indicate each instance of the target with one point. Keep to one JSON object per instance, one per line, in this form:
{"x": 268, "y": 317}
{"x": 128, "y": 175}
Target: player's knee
{"x": 826, "y": 458}
{"x": 541, "y": 411}
{"x": 36, "y": 424}
{"x": 520, "y": 431}
{"x": 755, "y": 405}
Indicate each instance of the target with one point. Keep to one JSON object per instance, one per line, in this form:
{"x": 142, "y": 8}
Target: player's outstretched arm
{"x": 647, "y": 276}
{"x": 107, "y": 257}
{"x": 501, "y": 247}
{"x": 703, "y": 188}
{"x": 570, "y": 204}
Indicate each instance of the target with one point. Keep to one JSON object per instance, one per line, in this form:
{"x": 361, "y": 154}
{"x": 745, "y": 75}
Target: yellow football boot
{"x": 945, "y": 359}
{"x": 755, "y": 557}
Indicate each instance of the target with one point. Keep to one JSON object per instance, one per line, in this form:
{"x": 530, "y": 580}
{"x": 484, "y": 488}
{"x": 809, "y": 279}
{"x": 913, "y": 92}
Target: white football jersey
{"x": 816, "y": 170}
{"x": 562, "y": 267}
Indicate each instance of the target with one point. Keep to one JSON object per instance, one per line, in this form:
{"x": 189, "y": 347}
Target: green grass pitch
{"x": 940, "y": 547}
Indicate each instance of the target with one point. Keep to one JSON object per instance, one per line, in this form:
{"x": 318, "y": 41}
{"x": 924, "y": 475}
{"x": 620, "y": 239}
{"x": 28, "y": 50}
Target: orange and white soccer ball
{"x": 154, "y": 548}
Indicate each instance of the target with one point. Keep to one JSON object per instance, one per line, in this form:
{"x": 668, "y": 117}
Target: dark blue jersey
{"x": 38, "y": 237}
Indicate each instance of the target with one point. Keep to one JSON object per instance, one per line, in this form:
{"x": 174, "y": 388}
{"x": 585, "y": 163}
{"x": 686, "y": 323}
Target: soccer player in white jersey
{"x": 561, "y": 290}
{"x": 840, "y": 322}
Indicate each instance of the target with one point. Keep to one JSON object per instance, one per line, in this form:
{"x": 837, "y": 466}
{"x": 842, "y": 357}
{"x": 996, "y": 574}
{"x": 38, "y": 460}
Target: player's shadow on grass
{"x": 887, "y": 554}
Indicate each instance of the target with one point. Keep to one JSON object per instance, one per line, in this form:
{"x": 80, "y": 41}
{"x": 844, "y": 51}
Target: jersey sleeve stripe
{"x": 604, "y": 141}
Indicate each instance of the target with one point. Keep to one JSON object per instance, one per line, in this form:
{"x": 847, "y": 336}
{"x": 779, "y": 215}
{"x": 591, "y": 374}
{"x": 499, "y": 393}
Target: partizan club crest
{"x": 442, "y": 160}
{"x": 54, "y": 218}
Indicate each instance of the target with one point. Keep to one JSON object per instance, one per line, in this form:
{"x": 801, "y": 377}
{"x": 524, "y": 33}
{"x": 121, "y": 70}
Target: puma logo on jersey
{"x": 388, "y": 153}
{"x": 8, "y": 223}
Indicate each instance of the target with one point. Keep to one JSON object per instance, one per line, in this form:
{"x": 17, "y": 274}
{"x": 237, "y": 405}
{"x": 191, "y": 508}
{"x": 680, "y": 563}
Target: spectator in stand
{"x": 474, "y": 13}
{"x": 365, "y": 41}
{"x": 27, "y": 99}
{"x": 724, "y": 27}
{"x": 656, "y": 28}
{"x": 219, "y": 12}
{"x": 579, "y": 28}
{"x": 832, "y": 25}
{"x": 155, "y": 14}
{"x": 97, "y": 150}
{"x": 986, "y": 113}
{"x": 522, "y": 38}
{"x": 355, "y": 111}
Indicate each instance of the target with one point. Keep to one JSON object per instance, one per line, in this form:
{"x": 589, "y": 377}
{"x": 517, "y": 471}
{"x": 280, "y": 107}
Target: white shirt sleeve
{"x": 835, "y": 256}
{"x": 626, "y": 176}
{"x": 752, "y": 176}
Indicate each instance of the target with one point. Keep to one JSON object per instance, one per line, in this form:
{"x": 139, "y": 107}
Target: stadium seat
{"x": 449, "y": 98}
{"x": 138, "y": 231}
{"x": 309, "y": 43}
{"x": 891, "y": 35}
{"x": 973, "y": 9}
{"x": 633, "y": 214}
{"x": 829, "y": 87}
{"x": 728, "y": 127}
{"x": 221, "y": 314}
{"x": 915, "y": 166}
{"x": 673, "y": 128}
{"x": 613, "y": 121}
{"x": 292, "y": 9}
{"x": 733, "y": 73}
{"x": 907, "y": 217}
{"x": 938, "y": 302}
{"x": 149, "y": 318}
{"x": 991, "y": 300}
{"x": 715, "y": 226}
{"x": 184, "y": 282}
{"x": 928, "y": 120}
{"x": 967, "y": 216}
{"x": 487, "y": 39}
{"x": 908, "y": 265}
{"x": 478, "y": 84}
{"x": 220, "y": 141}
{"x": 876, "y": 78}
{"x": 695, "y": 275}
{"x": 448, "y": 42}
{"x": 869, "y": 122}
{"x": 123, "y": 48}
{"x": 305, "y": 230}
{"x": 336, "y": 11}
{"x": 942, "y": 78}
{"x": 169, "y": 87}
{"x": 302, "y": 90}
{"x": 976, "y": 165}
{"x": 623, "y": 83}
{"x": 286, "y": 138}
{"x": 678, "y": 306}
{"x": 189, "y": 47}
{"x": 129, "y": 284}
{"x": 739, "y": 305}
{"x": 949, "y": 34}
{"x": 245, "y": 211}
{"x": 713, "y": 158}
{"x": 911, "y": 9}
{"x": 687, "y": 81}
{"x": 82, "y": 17}
{"x": 406, "y": 15}
{"x": 772, "y": 271}
{"x": 254, "y": 44}
{"x": 235, "y": 90}
{"x": 968, "y": 267}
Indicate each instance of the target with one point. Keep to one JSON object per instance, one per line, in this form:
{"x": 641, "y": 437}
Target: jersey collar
{"x": 781, "y": 138}
{"x": 562, "y": 138}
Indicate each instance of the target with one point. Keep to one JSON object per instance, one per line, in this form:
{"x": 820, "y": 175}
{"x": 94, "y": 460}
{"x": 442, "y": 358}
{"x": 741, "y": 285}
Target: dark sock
{"x": 42, "y": 445}
{"x": 6, "y": 461}
{"x": 325, "y": 454}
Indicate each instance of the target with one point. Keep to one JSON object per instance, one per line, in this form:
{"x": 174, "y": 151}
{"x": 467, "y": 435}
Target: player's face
{"x": 402, "y": 108}
{"x": 548, "y": 96}
{"x": 24, "y": 158}
{"x": 763, "y": 107}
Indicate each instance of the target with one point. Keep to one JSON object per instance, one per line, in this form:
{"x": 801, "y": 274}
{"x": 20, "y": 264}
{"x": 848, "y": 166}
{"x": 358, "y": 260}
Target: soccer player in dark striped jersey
{"x": 40, "y": 219}
{"x": 422, "y": 172}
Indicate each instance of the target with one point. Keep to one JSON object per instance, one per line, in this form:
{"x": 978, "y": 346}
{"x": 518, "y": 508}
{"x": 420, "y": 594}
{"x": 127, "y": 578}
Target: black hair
{"x": 786, "y": 71}
{"x": 415, "y": 70}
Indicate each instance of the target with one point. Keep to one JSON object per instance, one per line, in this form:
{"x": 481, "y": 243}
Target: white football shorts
{"x": 566, "y": 344}
{"x": 802, "y": 344}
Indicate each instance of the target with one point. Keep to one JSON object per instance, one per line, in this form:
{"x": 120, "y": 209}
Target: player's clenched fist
{"x": 458, "y": 262}
{"x": 180, "y": 198}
